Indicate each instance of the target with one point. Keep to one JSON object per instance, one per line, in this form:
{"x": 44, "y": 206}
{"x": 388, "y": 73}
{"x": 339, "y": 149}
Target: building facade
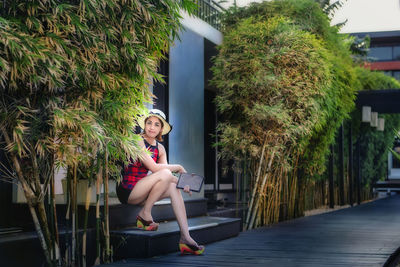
{"x": 384, "y": 52}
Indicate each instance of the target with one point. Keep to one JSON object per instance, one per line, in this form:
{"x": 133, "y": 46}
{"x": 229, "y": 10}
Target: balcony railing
{"x": 210, "y": 12}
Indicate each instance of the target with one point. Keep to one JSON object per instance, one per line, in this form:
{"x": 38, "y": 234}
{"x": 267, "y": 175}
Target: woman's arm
{"x": 162, "y": 159}
{"x": 163, "y": 155}
{"x": 149, "y": 163}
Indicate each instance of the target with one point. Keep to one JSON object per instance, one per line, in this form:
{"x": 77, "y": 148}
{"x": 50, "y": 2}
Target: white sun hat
{"x": 159, "y": 114}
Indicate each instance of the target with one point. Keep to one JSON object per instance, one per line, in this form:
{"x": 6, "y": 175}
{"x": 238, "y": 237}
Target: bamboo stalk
{"x": 276, "y": 190}
{"x": 270, "y": 187}
{"x": 253, "y": 214}
{"x": 301, "y": 200}
{"x": 293, "y": 187}
{"x": 40, "y": 204}
{"x": 278, "y": 194}
{"x": 74, "y": 216}
{"x": 45, "y": 226}
{"x": 244, "y": 179}
{"x": 259, "y": 214}
{"x": 98, "y": 183}
{"x": 68, "y": 253}
{"x": 256, "y": 207}
{"x": 273, "y": 200}
{"x": 30, "y": 198}
{"x": 106, "y": 212}
{"x": 40, "y": 234}
{"x": 237, "y": 194}
{"x": 249, "y": 212}
{"x": 267, "y": 198}
{"x": 51, "y": 221}
{"x": 285, "y": 196}
{"x": 36, "y": 222}
{"x": 293, "y": 194}
{"x": 54, "y": 220}
{"x": 87, "y": 205}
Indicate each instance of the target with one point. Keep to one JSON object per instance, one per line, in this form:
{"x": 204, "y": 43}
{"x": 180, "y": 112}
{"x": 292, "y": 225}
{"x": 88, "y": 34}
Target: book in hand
{"x": 194, "y": 181}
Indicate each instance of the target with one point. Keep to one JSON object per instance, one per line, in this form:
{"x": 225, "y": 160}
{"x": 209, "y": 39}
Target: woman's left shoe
{"x": 146, "y": 225}
{"x": 191, "y": 249}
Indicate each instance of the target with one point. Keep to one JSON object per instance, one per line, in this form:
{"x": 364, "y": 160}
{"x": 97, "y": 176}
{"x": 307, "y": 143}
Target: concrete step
{"x": 9, "y": 230}
{"x": 137, "y": 243}
{"x": 121, "y": 215}
{"x": 13, "y": 240}
{"x": 229, "y": 211}
{"x": 24, "y": 248}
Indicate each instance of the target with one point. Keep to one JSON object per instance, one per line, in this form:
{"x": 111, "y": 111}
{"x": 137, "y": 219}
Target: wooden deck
{"x": 364, "y": 235}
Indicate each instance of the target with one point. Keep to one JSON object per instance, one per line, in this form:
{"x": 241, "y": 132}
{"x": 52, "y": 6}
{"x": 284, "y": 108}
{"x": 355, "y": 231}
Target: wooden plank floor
{"x": 364, "y": 235}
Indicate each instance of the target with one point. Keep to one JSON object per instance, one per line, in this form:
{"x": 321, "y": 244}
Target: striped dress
{"x": 136, "y": 171}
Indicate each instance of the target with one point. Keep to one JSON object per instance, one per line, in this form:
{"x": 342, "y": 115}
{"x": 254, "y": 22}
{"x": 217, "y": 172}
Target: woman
{"x": 138, "y": 187}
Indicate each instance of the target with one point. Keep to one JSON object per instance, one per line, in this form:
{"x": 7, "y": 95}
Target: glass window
{"x": 396, "y": 148}
{"x": 396, "y": 52}
{"x": 380, "y": 53}
{"x": 396, "y": 74}
{"x": 388, "y": 73}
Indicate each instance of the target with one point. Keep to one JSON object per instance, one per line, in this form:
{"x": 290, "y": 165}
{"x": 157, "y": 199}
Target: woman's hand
{"x": 181, "y": 169}
{"x": 186, "y": 189}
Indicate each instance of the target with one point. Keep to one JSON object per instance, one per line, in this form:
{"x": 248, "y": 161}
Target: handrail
{"x": 210, "y": 12}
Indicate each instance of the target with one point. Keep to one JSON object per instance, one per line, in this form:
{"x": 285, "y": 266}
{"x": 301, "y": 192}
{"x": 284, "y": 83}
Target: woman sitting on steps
{"x": 138, "y": 187}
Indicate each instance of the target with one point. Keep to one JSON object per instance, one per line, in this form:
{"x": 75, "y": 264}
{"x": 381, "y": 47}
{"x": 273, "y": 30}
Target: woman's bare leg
{"x": 159, "y": 185}
{"x": 178, "y": 206}
{"x": 149, "y": 189}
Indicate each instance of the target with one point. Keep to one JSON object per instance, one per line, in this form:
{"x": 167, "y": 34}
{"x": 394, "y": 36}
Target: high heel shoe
{"x": 146, "y": 225}
{"x": 191, "y": 249}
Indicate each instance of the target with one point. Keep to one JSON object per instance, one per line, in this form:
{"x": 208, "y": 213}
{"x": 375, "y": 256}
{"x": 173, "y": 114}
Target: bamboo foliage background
{"x": 286, "y": 81}
{"x": 73, "y": 77}
{"x": 374, "y": 144}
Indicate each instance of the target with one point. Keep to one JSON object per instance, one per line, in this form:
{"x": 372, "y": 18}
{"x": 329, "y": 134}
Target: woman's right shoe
{"x": 191, "y": 249}
{"x": 146, "y": 225}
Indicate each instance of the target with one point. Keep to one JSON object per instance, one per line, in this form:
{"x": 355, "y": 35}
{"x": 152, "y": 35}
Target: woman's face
{"x": 153, "y": 127}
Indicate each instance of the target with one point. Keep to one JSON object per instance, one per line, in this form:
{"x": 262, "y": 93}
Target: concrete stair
{"x": 122, "y": 215}
{"x": 127, "y": 241}
{"x": 137, "y": 243}
{"x": 130, "y": 242}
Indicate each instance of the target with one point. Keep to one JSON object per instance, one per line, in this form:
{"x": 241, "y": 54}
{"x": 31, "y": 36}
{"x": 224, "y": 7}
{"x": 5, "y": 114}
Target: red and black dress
{"x": 134, "y": 172}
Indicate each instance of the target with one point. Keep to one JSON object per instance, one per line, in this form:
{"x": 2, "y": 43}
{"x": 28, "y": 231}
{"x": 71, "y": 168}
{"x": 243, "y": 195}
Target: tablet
{"x": 194, "y": 181}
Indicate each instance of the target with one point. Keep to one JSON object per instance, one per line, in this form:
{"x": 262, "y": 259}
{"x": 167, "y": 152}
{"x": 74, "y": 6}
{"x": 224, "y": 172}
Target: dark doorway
{"x": 216, "y": 179}
{"x": 210, "y": 153}
{"x": 160, "y": 90}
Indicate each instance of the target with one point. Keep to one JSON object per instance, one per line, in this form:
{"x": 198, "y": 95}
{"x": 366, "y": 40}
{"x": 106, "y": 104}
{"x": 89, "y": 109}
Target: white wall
{"x": 186, "y": 103}
{"x": 201, "y": 28}
{"x": 369, "y": 16}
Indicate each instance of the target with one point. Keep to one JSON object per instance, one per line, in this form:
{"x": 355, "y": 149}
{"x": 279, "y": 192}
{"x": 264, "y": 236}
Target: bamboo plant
{"x": 74, "y": 76}
{"x": 286, "y": 82}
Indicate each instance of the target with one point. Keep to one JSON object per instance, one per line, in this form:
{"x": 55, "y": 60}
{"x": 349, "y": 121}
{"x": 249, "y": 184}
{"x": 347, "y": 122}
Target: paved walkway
{"x": 364, "y": 235}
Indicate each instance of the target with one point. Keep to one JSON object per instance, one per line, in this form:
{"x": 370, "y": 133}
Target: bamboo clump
{"x": 70, "y": 92}
{"x": 281, "y": 94}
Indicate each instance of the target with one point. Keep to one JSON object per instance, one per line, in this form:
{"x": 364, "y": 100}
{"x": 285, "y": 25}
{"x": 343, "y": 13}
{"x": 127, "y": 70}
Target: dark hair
{"x": 159, "y": 136}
